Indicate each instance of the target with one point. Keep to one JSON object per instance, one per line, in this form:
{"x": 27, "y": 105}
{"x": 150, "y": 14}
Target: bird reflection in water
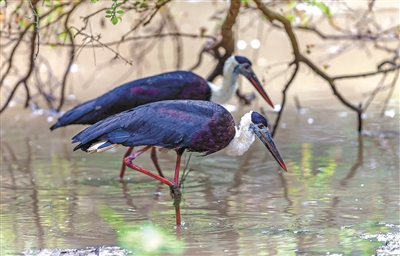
{"x": 195, "y": 126}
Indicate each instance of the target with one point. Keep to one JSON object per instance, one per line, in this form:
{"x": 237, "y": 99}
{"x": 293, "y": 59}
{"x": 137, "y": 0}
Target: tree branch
{"x": 278, "y": 118}
{"x": 25, "y": 78}
{"x": 134, "y": 38}
{"x": 226, "y": 41}
{"x": 36, "y": 27}
{"x": 394, "y": 81}
{"x": 71, "y": 57}
{"x": 272, "y": 16}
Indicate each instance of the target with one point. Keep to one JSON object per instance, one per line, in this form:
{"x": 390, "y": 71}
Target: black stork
{"x": 167, "y": 86}
{"x": 192, "y": 125}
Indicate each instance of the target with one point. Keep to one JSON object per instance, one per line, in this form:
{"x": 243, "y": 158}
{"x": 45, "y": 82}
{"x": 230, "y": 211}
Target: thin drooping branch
{"x": 199, "y": 60}
{"x": 71, "y": 58}
{"x": 226, "y": 41}
{"x": 103, "y": 45}
{"x": 159, "y": 5}
{"x": 177, "y": 39}
{"x": 12, "y": 56}
{"x": 366, "y": 36}
{"x": 40, "y": 84}
{"x": 36, "y": 27}
{"x": 145, "y": 20}
{"x": 289, "y": 82}
{"x": 330, "y": 81}
{"x": 297, "y": 104}
{"x": 367, "y": 30}
{"x": 271, "y": 16}
{"x": 372, "y": 73}
{"x": 25, "y": 78}
{"x": 298, "y": 57}
{"x": 20, "y": 39}
{"x": 393, "y": 84}
{"x": 133, "y": 38}
{"x": 374, "y": 92}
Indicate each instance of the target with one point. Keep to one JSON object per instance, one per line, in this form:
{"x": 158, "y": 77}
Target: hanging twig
{"x": 226, "y": 40}
{"x": 396, "y": 76}
{"x": 374, "y": 92}
{"x": 278, "y": 118}
{"x": 298, "y": 57}
{"x": 37, "y": 29}
{"x": 297, "y": 104}
{"x": 71, "y": 58}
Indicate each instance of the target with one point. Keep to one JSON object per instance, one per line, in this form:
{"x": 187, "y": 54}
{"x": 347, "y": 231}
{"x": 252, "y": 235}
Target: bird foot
{"x": 176, "y": 194}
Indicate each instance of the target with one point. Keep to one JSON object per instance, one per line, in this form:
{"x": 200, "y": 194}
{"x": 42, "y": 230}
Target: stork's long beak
{"x": 266, "y": 138}
{"x": 253, "y": 79}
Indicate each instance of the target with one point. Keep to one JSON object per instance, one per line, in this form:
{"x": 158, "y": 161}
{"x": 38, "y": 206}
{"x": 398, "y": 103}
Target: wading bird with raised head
{"x": 167, "y": 86}
{"x": 192, "y": 125}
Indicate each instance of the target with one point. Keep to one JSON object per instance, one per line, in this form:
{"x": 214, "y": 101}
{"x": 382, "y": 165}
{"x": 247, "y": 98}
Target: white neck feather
{"x": 222, "y": 94}
{"x": 243, "y": 137}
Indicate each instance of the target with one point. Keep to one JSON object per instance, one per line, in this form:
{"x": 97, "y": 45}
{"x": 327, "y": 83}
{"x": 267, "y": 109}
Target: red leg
{"x": 155, "y": 161}
{"x": 175, "y": 190}
{"x": 177, "y": 167}
{"x": 176, "y": 193}
{"x": 123, "y": 166}
{"x": 128, "y": 161}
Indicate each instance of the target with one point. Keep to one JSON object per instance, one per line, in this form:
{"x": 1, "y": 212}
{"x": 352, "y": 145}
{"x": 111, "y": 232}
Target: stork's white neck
{"x": 244, "y": 137}
{"x": 223, "y": 93}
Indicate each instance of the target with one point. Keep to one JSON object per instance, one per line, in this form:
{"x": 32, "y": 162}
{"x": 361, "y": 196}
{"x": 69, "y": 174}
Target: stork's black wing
{"x": 166, "y": 86}
{"x": 170, "y": 124}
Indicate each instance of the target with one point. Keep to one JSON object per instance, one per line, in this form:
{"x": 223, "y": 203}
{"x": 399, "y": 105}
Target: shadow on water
{"x": 23, "y": 166}
{"x": 336, "y": 190}
{"x": 344, "y": 182}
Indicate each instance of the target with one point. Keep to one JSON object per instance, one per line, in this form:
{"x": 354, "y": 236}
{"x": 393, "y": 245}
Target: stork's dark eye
{"x": 260, "y": 126}
{"x": 246, "y": 66}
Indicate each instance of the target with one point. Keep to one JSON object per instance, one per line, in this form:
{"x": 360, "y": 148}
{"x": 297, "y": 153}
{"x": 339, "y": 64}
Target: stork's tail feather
{"x": 97, "y": 147}
{"x": 100, "y": 147}
{"x": 79, "y": 147}
{"x": 81, "y": 114}
{"x": 55, "y": 126}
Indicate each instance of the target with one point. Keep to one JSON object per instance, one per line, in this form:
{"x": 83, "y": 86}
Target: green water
{"x": 338, "y": 187}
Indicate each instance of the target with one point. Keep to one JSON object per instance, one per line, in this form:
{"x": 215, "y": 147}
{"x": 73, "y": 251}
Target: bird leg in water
{"x": 177, "y": 196}
{"x": 175, "y": 189}
{"x": 174, "y": 186}
{"x": 153, "y": 157}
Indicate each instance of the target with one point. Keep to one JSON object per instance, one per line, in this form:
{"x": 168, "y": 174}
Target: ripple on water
{"x": 331, "y": 194}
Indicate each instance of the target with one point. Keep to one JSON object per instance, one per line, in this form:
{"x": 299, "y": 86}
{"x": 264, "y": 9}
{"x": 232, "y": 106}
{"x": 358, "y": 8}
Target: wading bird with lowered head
{"x": 166, "y": 86}
{"x": 191, "y": 125}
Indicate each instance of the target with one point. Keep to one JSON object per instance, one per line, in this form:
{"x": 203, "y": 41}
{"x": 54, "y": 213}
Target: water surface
{"x": 338, "y": 187}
